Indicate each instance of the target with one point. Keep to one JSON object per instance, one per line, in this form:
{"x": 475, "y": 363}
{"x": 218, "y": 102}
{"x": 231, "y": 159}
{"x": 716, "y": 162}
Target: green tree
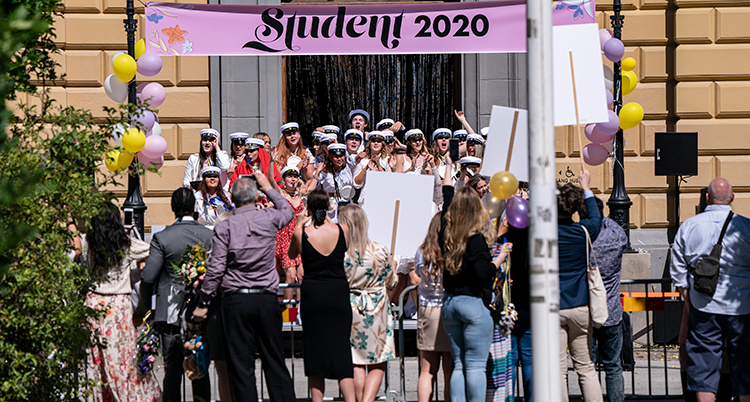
{"x": 49, "y": 175}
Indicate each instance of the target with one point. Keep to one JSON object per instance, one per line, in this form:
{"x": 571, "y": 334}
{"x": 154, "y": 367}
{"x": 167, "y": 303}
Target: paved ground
{"x": 663, "y": 381}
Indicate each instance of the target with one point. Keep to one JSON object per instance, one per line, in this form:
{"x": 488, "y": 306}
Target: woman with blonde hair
{"x": 432, "y": 340}
{"x": 290, "y": 144}
{"x": 377, "y": 158}
{"x": 417, "y": 158}
{"x": 370, "y": 274}
{"x": 466, "y": 235}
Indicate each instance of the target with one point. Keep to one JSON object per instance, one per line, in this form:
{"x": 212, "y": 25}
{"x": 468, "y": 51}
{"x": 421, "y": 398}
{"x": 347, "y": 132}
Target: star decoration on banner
{"x": 175, "y": 34}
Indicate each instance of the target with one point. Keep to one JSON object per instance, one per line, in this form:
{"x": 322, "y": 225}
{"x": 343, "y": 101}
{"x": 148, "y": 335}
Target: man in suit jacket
{"x": 167, "y": 247}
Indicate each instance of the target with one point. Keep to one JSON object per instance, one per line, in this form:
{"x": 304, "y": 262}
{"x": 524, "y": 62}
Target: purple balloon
{"x": 155, "y": 147}
{"x": 610, "y": 97}
{"x": 611, "y": 126}
{"x": 517, "y": 211}
{"x": 149, "y": 64}
{"x": 596, "y": 136}
{"x": 614, "y": 50}
{"x": 595, "y": 154}
{"x": 139, "y": 89}
{"x": 145, "y": 117}
{"x": 154, "y": 93}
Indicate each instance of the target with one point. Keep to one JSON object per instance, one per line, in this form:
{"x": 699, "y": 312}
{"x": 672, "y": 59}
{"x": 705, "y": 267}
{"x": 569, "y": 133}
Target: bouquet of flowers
{"x": 191, "y": 269}
{"x": 148, "y": 349}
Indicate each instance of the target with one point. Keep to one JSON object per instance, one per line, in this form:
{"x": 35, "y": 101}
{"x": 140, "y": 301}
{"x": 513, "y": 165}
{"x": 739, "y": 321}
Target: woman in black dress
{"x": 325, "y": 309}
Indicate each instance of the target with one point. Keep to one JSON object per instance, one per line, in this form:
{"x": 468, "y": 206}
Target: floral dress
{"x": 369, "y": 276}
{"x": 283, "y": 238}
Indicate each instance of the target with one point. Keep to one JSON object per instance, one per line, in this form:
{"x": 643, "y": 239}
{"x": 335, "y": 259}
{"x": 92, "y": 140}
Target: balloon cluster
{"x": 149, "y": 146}
{"x": 602, "y": 134}
{"x": 503, "y": 187}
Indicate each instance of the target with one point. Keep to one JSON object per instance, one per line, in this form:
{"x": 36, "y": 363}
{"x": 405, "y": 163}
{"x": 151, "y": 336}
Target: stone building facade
{"x": 694, "y": 75}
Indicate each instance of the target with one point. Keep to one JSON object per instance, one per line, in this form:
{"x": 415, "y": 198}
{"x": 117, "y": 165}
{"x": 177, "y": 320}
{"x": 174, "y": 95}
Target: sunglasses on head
{"x": 238, "y": 142}
{"x": 289, "y": 131}
{"x": 211, "y": 176}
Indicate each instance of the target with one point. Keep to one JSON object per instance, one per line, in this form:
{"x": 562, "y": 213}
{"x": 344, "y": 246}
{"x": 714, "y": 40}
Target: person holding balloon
{"x": 575, "y": 322}
{"x": 210, "y": 154}
{"x": 210, "y": 199}
{"x": 466, "y": 234}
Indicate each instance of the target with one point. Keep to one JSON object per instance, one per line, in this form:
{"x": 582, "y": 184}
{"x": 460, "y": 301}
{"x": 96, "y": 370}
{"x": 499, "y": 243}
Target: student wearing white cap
{"x": 210, "y": 199}
{"x": 389, "y": 139}
{"x": 257, "y": 160}
{"x": 210, "y": 154}
{"x": 290, "y": 145}
{"x": 474, "y": 145}
{"x": 417, "y": 157}
{"x": 353, "y": 139}
{"x": 289, "y": 270}
{"x": 266, "y": 141}
{"x": 376, "y": 159}
{"x": 335, "y": 178}
{"x": 359, "y": 119}
{"x": 325, "y": 140}
{"x": 388, "y": 124}
{"x": 238, "y": 150}
{"x": 484, "y": 131}
{"x": 470, "y": 166}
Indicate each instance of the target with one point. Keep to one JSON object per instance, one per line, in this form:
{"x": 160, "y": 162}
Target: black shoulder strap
{"x": 716, "y": 251}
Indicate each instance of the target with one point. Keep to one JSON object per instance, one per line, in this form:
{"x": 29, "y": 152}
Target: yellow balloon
{"x": 631, "y": 115}
{"x": 110, "y": 161}
{"x": 125, "y": 159}
{"x": 140, "y": 48}
{"x": 629, "y": 82}
{"x": 627, "y": 64}
{"x": 124, "y": 67}
{"x": 134, "y": 140}
{"x": 503, "y": 185}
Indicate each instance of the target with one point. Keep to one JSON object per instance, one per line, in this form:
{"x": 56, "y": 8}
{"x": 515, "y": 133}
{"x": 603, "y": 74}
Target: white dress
{"x": 193, "y": 171}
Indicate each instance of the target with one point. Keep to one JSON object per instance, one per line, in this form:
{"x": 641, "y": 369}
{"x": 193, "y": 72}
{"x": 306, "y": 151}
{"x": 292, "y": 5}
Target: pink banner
{"x": 476, "y": 27}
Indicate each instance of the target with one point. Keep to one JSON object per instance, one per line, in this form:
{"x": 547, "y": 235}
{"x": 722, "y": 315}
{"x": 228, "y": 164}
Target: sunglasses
{"x": 388, "y": 140}
{"x": 211, "y": 176}
{"x": 416, "y": 138}
{"x": 377, "y": 139}
{"x": 290, "y": 131}
{"x": 443, "y": 136}
{"x": 238, "y": 142}
{"x": 461, "y": 137}
{"x": 475, "y": 142}
{"x": 209, "y": 138}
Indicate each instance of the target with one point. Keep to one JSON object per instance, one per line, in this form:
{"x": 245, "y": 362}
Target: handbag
{"x": 706, "y": 272}
{"x": 597, "y": 292}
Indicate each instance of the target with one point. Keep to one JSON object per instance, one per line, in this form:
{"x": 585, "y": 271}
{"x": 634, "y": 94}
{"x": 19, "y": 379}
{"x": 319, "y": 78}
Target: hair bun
{"x": 320, "y": 215}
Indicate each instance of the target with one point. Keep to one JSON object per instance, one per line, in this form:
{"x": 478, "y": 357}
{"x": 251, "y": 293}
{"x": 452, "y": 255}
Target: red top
{"x": 246, "y": 168}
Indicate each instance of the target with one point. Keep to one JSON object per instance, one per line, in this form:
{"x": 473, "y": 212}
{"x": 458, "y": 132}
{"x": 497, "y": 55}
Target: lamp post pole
{"x": 619, "y": 203}
{"x": 134, "y": 199}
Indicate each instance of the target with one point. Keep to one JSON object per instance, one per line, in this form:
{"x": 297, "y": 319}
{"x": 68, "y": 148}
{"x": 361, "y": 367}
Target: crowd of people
{"x": 290, "y": 213}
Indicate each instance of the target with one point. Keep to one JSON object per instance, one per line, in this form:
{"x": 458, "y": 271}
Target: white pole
{"x": 545, "y": 292}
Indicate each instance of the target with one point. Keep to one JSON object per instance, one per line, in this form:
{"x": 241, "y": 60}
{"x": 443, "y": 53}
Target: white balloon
{"x": 155, "y": 130}
{"x": 115, "y": 56}
{"x": 118, "y": 131}
{"x": 609, "y": 145}
{"x": 608, "y": 84}
{"x": 116, "y": 89}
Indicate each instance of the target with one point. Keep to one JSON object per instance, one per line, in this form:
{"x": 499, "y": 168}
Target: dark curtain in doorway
{"x": 417, "y": 90}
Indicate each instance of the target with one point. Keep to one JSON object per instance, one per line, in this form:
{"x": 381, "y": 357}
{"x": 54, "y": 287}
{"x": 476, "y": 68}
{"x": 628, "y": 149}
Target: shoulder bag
{"x": 706, "y": 272}
{"x": 597, "y": 292}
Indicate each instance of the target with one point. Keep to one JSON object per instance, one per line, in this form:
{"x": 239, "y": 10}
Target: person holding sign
{"x": 326, "y": 311}
{"x": 376, "y": 159}
{"x": 466, "y": 234}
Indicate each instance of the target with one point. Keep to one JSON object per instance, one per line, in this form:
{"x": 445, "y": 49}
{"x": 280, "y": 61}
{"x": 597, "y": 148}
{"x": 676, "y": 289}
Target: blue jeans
{"x": 521, "y": 342}
{"x": 469, "y": 326}
{"x": 609, "y": 346}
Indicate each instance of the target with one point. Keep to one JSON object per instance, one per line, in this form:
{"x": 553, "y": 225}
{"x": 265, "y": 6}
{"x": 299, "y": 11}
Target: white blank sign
{"x": 583, "y": 41}
{"x": 415, "y": 210}
{"x": 498, "y": 142}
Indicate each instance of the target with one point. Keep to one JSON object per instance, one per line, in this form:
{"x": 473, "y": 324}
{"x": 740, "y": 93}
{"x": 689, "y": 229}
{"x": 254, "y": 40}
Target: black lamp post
{"x": 619, "y": 203}
{"x": 134, "y": 199}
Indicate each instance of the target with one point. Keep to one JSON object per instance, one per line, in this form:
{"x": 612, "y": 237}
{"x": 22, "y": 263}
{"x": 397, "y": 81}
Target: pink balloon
{"x": 139, "y": 89}
{"x": 610, "y": 98}
{"x": 145, "y": 117}
{"x": 604, "y": 36}
{"x": 150, "y": 162}
{"x": 595, "y": 154}
{"x": 149, "y": 64}
{"x": 596, "y": 136}
{"x": 517, "y": 211}
{"x": 614, "y": 50}
{"x": 611, "y": 126}
{"x": 154, "y": 93}
{"x": 155, "y": 147}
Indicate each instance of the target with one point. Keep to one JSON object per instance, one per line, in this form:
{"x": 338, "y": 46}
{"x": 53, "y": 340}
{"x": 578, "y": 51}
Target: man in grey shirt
{"x": 242, "y": 265}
